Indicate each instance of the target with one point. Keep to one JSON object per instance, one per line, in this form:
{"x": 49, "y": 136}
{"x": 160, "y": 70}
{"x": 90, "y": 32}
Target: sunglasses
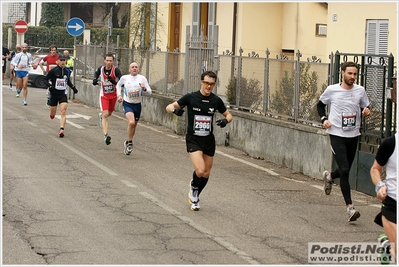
{"x": 208, "y": 84}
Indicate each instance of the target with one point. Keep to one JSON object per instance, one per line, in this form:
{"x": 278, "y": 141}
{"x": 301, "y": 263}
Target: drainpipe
{"x": 297, "y": 26}
{"x": 233, "y": 41}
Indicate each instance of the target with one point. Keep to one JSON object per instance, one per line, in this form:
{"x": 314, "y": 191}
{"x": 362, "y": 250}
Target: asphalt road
{"x": 75, "y": 200}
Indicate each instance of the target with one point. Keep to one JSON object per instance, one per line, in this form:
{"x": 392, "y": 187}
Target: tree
{"x": 283, "y": 100}
{"x": 144, "y": 25}
{"x": 250, "y": 92}
{"x": 52, "y": 14}
{"x": 113, "y": 10}
{"x": 308, "y": 93}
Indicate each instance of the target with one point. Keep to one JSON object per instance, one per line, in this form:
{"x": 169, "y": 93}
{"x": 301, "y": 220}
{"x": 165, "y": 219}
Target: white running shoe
{"x": 195, "y": 206}
{"x": 353, "y": 214}
{"x": 192, "y": 194}
{"x": 100, "y": 120}
{"x": 327, "y": 183}
{"x": 128, "y": 148}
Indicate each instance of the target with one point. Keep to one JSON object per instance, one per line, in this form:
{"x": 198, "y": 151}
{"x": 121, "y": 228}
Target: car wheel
{"x": 40, "y": 82}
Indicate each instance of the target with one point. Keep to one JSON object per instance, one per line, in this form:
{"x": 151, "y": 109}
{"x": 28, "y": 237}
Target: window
{"x": 83, "y": 11}
{"x": 321, "y": 29}
{"x": 203, "y": 19}
{"x": 377, "y": 37}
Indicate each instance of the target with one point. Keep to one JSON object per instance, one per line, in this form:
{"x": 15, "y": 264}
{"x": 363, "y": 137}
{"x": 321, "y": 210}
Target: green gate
{"x": 376, "y": 76}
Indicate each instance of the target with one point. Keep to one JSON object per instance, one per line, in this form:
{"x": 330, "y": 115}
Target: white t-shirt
{"x": 21, "y": 61}
{"x": 132, "y": 91}
{"x": 392, "y": 172}
{"x": 387, "y": 156}
{"x": 345, "y": 109}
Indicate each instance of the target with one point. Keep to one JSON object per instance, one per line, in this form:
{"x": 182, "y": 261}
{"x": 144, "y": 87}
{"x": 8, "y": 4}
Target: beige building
{"x": 313, "y": 28}
{"x": 363, "y": 27}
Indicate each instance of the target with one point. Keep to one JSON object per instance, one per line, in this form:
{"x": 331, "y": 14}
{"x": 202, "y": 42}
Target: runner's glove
{"x": 112, "y": 80}
{"x": 222, "y": 123}
{"x": 75, "y": 91}
{"x": 178, "y": 111}
{"x": 95, "y": 82}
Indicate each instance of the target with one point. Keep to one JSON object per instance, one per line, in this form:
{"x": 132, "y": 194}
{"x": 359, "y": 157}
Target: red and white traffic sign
{"x": 21, "y": 26}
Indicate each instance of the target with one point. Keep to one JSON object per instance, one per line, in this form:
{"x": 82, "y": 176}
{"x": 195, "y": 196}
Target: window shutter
{"x": 371, "y": 37}
{"x": 377, "y": 37}
{"x": 196, "y": 19}
{"x": 383, "y": 37}
{"x": 211, "y": 19}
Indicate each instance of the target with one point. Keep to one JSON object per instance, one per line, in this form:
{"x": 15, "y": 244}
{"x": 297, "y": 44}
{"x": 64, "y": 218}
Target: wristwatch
{"x": 379, "y": 185}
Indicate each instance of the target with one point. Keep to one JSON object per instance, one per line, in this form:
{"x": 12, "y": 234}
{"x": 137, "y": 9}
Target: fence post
{"x": 331, "y": 70}
{"x": 389, "y": 100}
{"x": 147, "y": 69}
{"x": 85, "y": 60}
{"x": 266, "y": 83}
{"x": 187, "y": 61}
{"x": 166, "y": 70}
{"x": 336, "y": 67}
{"x": 215, "y": 64}
{"x": 95, "y": 57}
{"x": 117, "y": 51}
{"x": 238, "y": 82}
{"x": 297, "y": 85}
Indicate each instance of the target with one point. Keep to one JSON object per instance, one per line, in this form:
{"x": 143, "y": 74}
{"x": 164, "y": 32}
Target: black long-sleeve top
{"x": 59, "y": 78}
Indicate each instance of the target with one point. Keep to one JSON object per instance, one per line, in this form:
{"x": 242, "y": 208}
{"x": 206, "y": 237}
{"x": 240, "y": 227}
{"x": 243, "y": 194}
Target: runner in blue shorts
{"x": 21, "y": 64}
{"x": 134, "y": 84}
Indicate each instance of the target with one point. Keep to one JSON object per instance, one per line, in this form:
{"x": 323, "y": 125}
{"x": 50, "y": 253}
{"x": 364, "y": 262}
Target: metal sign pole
{"x": 75, "y": 27}
{"x": 74, "y": 70}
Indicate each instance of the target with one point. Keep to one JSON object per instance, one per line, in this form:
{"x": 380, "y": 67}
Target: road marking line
{"x": 127, "y": 183}
{"x": 293, "y": 180}
{"x": 31, "y": 123}
{"x": 318, "y": 187}
{"x": 119, "y": 117}
{"x": 151, "y": 128}
{"x": 96, "y": 163}
{"x": 203, "y": 230}
{"x": 248, "y": 163}
{"x": 71, "y": 123}
{"x": 75, "y": 125}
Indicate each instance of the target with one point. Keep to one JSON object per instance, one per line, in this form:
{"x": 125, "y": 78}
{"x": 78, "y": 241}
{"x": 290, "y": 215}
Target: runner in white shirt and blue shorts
{"x": 134, "y": 84}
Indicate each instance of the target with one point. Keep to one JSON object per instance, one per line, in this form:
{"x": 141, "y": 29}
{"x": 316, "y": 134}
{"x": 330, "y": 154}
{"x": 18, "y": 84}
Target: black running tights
{"x": 344, "y": 152}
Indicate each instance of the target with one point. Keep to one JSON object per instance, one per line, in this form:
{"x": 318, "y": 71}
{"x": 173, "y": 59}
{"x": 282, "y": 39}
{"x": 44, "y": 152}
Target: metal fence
{"x": 276, "y": 87}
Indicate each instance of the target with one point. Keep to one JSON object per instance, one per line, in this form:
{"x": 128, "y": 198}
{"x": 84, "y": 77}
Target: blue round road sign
{"x": 75, "y": 26}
